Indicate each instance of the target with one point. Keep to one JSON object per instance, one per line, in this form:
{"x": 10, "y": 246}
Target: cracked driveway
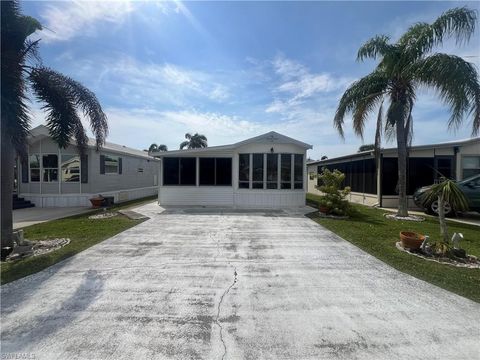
{"x": 200, "y": 285}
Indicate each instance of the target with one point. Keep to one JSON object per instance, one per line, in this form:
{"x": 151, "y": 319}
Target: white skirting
{"x": 70, "y": 200}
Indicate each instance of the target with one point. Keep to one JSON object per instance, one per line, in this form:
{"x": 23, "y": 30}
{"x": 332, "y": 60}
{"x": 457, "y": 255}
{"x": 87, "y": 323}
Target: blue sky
{"x": 231, "y": 70}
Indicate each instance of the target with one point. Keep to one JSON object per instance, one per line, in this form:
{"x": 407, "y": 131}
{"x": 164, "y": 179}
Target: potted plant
{"x": 446, "y": 191}
{"x": 97, "y": 201}
{"x": 411, "y": 240}
{"x": 333, "y": 201}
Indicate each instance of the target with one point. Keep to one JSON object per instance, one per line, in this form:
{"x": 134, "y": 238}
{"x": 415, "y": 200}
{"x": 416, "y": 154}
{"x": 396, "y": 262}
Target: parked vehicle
{"x": 469, "y": 186}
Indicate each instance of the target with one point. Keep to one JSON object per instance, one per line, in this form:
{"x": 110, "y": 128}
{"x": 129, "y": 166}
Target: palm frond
{"x": 377, "y": 46}
{"x": 59, "y": 105}
{"x": 420, "y": 38}
{"x": 63, "y": 96}
{"x": 184, "y": 144}
{"x": 451, "y": 193}
{"x": 363, "y": 109}
{"x": 457, "y": 83}
{"x": 374, "y": 83}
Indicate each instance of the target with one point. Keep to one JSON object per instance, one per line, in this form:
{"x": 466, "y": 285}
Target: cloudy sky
{"x": 232, "y": 70}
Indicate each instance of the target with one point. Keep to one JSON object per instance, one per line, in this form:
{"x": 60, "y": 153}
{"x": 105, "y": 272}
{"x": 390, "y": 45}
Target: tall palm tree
{"x": 403, "y": 68}
{"x": 155, "y": 147}
{"x": 21, "y": 69}
{"x": 194, "y": 141}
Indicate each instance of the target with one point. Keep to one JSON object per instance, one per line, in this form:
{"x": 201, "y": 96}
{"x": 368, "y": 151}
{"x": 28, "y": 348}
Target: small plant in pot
{"x": 445, "y": 191}
{"x": 333, "y": 201}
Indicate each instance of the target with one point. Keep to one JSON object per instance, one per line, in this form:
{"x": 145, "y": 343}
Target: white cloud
{"x": 140, "y": 84}
{"x": 67, "y": 19}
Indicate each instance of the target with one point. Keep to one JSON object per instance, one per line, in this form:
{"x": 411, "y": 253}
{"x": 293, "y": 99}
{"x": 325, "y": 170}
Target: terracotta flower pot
{"x": 323, "y": 209}
{"x": 411, "y": 240}
{"x": 97, "y": 201}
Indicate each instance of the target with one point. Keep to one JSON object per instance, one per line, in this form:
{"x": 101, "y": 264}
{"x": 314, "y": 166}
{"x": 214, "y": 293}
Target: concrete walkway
{"x": 35, "y": 215}
{"x": 224, "y": 284}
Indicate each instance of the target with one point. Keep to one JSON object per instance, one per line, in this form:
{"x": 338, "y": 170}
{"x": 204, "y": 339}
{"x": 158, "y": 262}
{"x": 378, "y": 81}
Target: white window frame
{"x": 39, "y": 168}
{"x": 79, "y": 169}
{"x": 49, "y": 168}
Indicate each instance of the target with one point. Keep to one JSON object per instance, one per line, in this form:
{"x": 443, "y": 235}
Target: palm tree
{"x": 155, "y": 147}
{"x": 446, "y": 191}
{"x": 403, "y": 68}
{"x": 61, "y": 96}
{"x": 194, "y": 141}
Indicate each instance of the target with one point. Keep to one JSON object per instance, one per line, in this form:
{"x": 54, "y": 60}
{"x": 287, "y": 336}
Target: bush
{"x": 333, "y": 199}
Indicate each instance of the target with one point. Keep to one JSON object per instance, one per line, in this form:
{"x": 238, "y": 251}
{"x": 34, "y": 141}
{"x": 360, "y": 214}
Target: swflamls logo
{"x": 18, "y": 356}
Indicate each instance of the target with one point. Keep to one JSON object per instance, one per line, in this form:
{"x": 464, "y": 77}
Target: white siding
{"x": 196, "y": 195}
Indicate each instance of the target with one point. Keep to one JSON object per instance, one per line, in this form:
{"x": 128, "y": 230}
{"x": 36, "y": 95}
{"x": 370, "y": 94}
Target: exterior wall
{"x": 472, "y": 149}
{"x": 232, "y": 195}
{"x": 469, "y": 149}
{"x": 131, "y": 184}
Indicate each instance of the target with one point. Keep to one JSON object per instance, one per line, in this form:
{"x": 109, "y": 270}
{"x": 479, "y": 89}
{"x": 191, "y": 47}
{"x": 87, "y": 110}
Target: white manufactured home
{"x": 267, "y": 171}
{"x": 56, "y": 177}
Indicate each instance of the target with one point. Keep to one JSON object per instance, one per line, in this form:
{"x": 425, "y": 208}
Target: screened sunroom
{"x": 268, "y": 171}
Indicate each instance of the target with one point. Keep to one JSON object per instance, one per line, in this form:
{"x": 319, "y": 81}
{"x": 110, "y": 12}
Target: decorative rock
{"x": 104, "y": 215}
{"x": 404, "y": 218}
{"x": 471, "y": 262}
{"x": 461, "y": 253}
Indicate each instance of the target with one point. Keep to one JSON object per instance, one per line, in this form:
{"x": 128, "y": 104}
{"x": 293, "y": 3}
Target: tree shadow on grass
{"x": 44, "y": 325}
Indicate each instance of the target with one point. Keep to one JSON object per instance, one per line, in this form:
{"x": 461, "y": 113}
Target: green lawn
{"x": 82, "y": 232}
{"x": 372, "y": 232}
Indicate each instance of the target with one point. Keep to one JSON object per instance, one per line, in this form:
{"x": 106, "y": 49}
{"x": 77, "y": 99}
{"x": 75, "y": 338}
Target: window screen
{"x": 207, "y": 171}
{"x": 298, "y": 171}
{"x": 286, "y": 171}
{"x": 171, "y": 171}
{"x": 188, "y": 171}
{"x": 244, "y": 171}
{"x": 272, "y": 171}
{"x": 257, "y": 171}
{"x": 223, "y": 171}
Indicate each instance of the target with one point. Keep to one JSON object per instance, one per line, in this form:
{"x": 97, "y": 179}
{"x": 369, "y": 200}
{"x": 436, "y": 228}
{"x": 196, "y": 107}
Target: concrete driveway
{"x": 198, "y": 285}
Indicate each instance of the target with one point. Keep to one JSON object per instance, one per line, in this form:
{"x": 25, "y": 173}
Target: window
{"x": 298, "y": 171}
{"x": 111, "y": 164}
{"x": 179, "y": 171}
{"x": 470, "y": 166}
{"x": 207, "y": 171}
{"x": 34, "y": 162}
{"x": 278, "y": 169}
{"x": 244, "y": 171}
{"x": 257, "y": 171}
{"x": 70, "y": 168}
{"x": 216, "y": 171}
{"x": 50, "y": 168}
{"x": 286, "y": 171}
{"x": 223, "y": 171}
{"x": 272, "y": 171}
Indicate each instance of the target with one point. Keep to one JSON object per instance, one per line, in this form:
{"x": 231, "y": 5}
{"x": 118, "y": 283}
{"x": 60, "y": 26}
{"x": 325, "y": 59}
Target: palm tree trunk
{"x": 402, "y": 168}
{"x": 441, "y": 218}
{"x": 6, "y": 167}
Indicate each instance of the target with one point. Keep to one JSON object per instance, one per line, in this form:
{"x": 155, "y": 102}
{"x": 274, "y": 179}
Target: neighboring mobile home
{"x": 267, "y": 171}
{"x": 60, "y": 177}
{"x": 456, "y": 160}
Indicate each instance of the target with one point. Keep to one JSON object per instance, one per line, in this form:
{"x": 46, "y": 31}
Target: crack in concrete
{"x": 219, "y": 305}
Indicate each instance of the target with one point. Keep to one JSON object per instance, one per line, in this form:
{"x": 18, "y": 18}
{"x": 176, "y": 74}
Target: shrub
{"x": 334, "y": 197}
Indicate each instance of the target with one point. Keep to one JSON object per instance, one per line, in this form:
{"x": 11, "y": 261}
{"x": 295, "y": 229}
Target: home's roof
{"x": 270, "y": 137}
{"x": 42, "y": 131}
{"x": 393, "y": 149}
